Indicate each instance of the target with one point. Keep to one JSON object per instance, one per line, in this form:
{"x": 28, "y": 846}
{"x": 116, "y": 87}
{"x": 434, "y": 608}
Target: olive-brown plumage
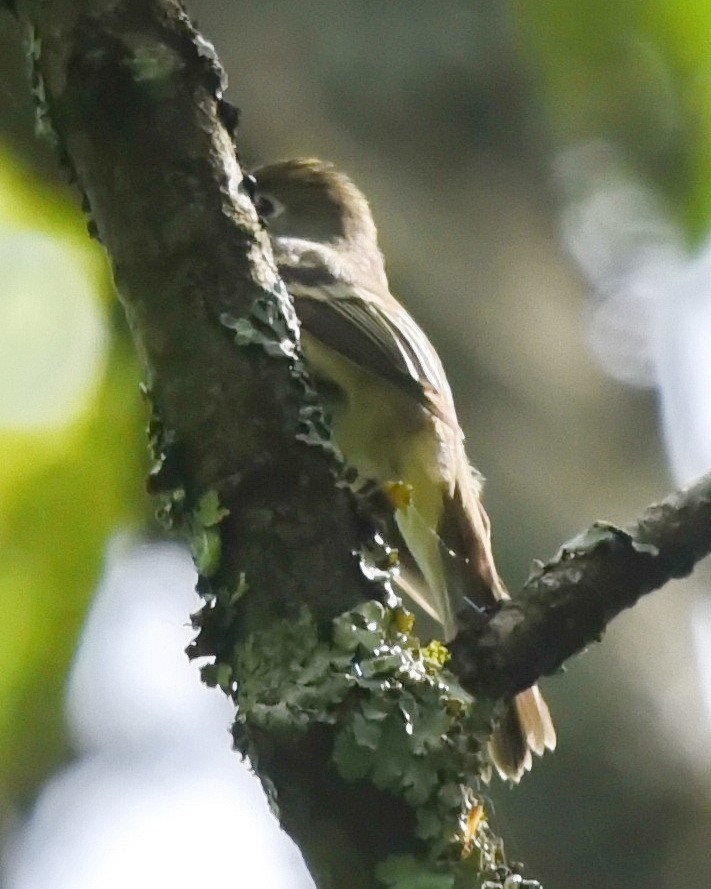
{"x": 392, "y": 412}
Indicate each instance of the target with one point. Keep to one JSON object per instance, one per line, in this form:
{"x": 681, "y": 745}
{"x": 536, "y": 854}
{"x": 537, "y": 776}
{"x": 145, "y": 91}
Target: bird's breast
{"x": 385, "y": 434}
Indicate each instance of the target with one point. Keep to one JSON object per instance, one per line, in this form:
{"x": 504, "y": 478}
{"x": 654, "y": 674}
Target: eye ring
{"x": 267, "y": 206}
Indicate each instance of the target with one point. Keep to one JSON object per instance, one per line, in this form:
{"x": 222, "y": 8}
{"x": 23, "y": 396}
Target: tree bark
{"x": 132, "y": 94}
{"x": 566, "y": 603}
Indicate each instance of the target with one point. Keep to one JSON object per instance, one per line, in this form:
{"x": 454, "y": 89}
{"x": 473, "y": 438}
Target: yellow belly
{"x": 381, "y": 431}
{"x": 387, "y": 436}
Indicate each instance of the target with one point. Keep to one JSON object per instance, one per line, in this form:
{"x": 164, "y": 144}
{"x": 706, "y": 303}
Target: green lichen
{"x": 401, "y": 720}
{"x": 199, "y": 522}
{"x": 170, "y": 508}
{"x": 209, "y": 512}
{"x": 316, "y": 428}
{"x": 44, "y": 126}
{"x": 219, "y": 676}
{"x": 272, "y": 325}
{"x": 406, "y": 872}
{"x": 201, "y": 526}
{"x": 153, "y": 61}
{"x": 164, "y": 476}
{"x": 484, "y": 867}
{"x": 288, "y": 678}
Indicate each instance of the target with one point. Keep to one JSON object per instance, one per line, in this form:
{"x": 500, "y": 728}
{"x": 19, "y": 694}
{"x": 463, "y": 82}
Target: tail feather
{"x": 441, "y": 567}
{"x": 508, "y": 747}
{"x": 526, "y": 726}
{"x": 535, "y": 719}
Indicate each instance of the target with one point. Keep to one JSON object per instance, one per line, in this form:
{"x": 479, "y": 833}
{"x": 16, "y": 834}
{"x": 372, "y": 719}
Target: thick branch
{"x": 567, "y": 603}
{"x": 133, "y": 96}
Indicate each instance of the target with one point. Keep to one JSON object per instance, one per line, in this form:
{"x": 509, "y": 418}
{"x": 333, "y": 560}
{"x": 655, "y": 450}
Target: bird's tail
{"x": 526, "y": 726}
{"x": 440, "y": 569}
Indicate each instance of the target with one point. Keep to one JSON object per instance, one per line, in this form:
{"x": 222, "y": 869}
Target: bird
{"x": 391, "y": 412}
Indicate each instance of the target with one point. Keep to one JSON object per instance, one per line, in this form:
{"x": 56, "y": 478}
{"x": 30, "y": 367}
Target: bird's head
{"x": 310, "y": 200}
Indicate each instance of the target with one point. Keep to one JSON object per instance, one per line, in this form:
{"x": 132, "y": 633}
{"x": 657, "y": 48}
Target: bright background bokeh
{"x": 541, "y": 177}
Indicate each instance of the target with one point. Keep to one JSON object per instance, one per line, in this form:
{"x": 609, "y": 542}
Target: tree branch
{"x": 566, "y": 604}
{"x": 132, "y": 95}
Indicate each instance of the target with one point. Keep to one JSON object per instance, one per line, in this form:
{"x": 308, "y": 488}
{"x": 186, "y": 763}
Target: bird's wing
{"x": 378, "y": 335}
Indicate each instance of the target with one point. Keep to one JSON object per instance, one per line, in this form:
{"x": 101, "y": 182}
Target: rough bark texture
{"x": 134, "y": 97}
{"x": 566, "y": 604}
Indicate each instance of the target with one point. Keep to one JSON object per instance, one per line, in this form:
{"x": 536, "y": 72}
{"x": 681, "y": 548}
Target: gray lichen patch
{"x": 400, "y": 720}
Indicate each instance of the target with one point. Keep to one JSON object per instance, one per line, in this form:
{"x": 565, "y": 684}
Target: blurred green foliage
{"x": 65, "y": 485}
{"x": 636, "y": 73}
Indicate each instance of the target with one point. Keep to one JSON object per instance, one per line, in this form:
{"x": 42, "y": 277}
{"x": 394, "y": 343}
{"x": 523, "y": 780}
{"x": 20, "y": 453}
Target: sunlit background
{"x": 541, "y": 176}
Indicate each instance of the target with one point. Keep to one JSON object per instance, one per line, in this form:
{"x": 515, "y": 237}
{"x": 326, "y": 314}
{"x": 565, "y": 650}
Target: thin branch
{"x": 567, "y": 603}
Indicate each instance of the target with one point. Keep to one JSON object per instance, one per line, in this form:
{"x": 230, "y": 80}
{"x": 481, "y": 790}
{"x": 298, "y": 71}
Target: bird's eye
{"x": 268, "y": 207}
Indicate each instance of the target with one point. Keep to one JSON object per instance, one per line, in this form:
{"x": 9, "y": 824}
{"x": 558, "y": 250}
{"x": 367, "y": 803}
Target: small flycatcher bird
{"x": 391, "y": 408}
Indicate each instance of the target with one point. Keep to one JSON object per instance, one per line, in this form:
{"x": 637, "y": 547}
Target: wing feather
{"x": 377, "y": 335}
